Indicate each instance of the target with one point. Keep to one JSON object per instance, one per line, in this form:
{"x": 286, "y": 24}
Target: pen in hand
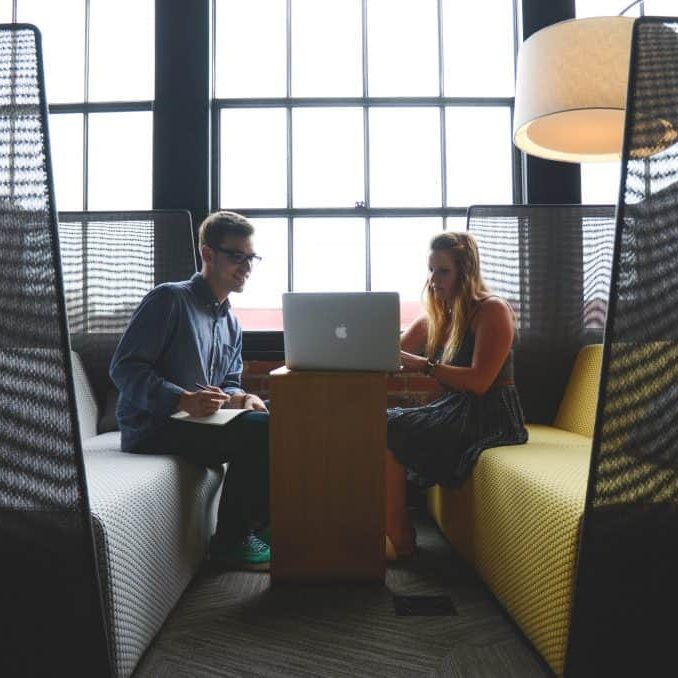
{"x": 225, "y": 396}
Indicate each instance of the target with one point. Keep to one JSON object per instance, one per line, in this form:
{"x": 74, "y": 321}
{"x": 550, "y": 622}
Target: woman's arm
{"x": 413, "y": 339}
{"x": 493, "y": 338}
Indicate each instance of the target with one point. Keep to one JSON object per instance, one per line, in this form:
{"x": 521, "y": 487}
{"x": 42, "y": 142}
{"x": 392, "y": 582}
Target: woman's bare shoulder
{"x": 493, "y": 308}
{"x": 420, "y": 322}
{"x": 494, "y": 301}
{"x": 418, "y": 327}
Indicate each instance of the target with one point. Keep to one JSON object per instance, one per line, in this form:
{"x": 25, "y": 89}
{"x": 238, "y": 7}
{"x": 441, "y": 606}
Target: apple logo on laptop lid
{"x": 341, "y": 332}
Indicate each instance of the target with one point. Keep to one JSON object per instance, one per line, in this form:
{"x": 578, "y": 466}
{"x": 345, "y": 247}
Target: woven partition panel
{"x": 111, "y": 260}
{"x": 553, "y": 263}
{"x": 52, "y": 620}
{"x": 626, "y": 590}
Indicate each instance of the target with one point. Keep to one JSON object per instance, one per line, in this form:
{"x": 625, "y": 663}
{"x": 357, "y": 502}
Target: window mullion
{"x": 85, "y": 172}
{"x": 216, "y": 158}
{"x": 290, "y": 258}
{"x": 519, "y": 184}
{"x": 85, "y": 161}
{"x": 290, "y": 186}
{"x": 443, "y": 125}
{"x": 214, "y": 122}
{"x": 368, "y": 254}
{"x": 85, "y": 125}
{"x": 366, "y": 151}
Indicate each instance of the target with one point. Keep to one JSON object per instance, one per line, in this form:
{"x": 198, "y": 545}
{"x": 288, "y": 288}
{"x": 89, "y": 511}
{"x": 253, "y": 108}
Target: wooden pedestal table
{"x": 327, "y": 448}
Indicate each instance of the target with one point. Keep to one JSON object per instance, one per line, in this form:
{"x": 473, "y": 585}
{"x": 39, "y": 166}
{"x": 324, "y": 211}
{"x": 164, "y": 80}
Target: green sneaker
{"x": 250, "y": 554}
{"x": 265, "y": 535}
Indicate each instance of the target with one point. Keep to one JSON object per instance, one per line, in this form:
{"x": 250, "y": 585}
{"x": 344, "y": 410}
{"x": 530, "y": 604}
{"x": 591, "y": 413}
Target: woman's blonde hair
{"x": 454, "y": 318}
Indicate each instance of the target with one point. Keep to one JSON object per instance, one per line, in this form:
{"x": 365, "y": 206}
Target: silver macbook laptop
{"x": 342, "y": 331}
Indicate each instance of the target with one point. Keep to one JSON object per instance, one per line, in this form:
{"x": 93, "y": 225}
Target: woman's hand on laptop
{"x": 204, "y": 402}
{"x": 411, "y": 362}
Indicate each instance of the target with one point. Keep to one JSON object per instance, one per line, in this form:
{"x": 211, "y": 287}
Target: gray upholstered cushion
{"x": 104, "y": 442}
{"x": 152, "y": 517}
{"x": 88, "y": 412}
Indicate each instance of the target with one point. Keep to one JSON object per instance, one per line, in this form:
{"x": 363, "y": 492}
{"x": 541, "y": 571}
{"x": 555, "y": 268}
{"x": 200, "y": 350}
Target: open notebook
{"x": 219, "y": 418}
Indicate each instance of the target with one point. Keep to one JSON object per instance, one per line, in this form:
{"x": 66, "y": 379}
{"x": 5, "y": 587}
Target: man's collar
{"x": 205, "y": 294}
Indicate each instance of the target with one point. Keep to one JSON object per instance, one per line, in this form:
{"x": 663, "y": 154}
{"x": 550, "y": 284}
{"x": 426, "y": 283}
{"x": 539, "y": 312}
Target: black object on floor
{"x": 423, "y": 606}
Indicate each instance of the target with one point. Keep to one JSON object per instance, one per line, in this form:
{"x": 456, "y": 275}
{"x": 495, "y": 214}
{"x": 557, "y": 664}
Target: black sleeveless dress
{"x": 439, "y": 443}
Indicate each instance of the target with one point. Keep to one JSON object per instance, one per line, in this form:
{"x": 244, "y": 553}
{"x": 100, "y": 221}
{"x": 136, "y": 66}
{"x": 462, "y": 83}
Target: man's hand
{"x": 412, "y": 363}
{"x": 254, "y": 402}
{"x": 248, "y": 401}
{"x": 203, "y": 403}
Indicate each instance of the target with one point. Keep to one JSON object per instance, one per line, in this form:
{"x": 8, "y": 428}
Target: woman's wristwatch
{"x": 430, "y": 366}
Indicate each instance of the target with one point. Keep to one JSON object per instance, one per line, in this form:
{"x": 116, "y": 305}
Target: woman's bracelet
{"x": 430, "y": 366}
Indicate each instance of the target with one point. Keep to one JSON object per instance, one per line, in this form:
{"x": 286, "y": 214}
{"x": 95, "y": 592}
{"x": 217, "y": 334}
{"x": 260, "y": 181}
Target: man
{"x": 184, "y": 336}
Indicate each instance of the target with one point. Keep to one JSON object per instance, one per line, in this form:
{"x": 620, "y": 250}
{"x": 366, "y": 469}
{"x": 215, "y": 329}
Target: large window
{"x": 99, "y": 73}
{"x": 600, "y": 181}
{"x": 351, "y": 131}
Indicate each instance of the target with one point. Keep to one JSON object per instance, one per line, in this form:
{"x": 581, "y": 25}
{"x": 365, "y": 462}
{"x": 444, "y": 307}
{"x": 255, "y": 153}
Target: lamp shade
{"x": 571, "y": 90}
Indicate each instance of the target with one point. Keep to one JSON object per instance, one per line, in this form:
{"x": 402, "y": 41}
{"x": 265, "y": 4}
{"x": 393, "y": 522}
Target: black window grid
{"x": 362, "y": 209}
{"x": 87, "y": 107}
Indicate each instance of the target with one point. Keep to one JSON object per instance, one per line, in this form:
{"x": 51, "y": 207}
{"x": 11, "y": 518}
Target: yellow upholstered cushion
{"x": 517, "y": 520}
{"x": 551, "y": 437}
{"x": 528, "y": 504}
{"x": 453, "y": 512}
{"x": 577, "y": 411}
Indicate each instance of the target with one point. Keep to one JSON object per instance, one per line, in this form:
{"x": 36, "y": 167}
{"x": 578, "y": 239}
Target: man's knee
{"x": 255, "y": 428}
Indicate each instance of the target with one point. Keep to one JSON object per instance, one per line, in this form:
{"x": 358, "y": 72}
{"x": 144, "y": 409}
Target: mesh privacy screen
{"x": 626, "y": 591}
{"x": 51, "y": 620}
{"x": 553, "y": 264}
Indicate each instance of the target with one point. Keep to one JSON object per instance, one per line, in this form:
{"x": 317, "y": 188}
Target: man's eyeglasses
{"x": 238, "y": 256}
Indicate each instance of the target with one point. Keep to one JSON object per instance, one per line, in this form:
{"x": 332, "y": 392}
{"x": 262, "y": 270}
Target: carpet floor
{"x": 233, "y": 624}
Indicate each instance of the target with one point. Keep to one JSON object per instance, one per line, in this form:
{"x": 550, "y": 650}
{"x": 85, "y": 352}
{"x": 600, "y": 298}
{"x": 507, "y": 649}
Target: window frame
{"x": 366, "y": 103}
{"x": 86, "y": 107}
{"x": 182, "y": 166}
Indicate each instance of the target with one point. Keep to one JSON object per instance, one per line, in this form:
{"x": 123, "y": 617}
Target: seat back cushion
{"x": 577, "y": 411}
{"x": 95, "y": 351}
{"x": 88, "y": 412}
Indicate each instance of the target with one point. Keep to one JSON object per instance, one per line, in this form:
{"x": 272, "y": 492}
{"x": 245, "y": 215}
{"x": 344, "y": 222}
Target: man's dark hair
{"x": 220, "y": 224}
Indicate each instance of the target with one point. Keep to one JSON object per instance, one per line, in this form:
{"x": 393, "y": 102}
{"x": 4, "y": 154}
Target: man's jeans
{"x": 243, "y": 443}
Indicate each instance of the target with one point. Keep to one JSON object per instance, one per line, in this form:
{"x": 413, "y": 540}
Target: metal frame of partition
{"x": 626, "y": 586}
{"x": 52, "y": 608}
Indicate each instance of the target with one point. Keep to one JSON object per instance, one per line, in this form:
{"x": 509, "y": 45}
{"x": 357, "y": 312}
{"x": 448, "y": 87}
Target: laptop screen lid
{"x": 342, "y": 331}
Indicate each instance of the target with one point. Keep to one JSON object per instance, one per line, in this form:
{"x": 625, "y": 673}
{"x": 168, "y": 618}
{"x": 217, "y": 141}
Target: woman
{"x": 464, "y": 340}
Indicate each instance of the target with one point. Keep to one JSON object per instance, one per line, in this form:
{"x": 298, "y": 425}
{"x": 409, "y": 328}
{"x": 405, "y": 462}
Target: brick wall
{"x": 404, "y": 390}
{"x": 255, "y": 376}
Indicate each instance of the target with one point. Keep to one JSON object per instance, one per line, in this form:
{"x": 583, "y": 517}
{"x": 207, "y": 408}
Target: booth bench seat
{"x": 517, "y": 518}
{"x": 152, "y": 516}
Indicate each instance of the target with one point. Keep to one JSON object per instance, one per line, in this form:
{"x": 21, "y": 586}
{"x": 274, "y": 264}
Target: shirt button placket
{"x": 214, "y": 346}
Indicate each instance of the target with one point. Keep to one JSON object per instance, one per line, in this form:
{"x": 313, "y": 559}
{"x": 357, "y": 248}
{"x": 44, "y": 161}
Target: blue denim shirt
{"x": 179, "y": 335}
